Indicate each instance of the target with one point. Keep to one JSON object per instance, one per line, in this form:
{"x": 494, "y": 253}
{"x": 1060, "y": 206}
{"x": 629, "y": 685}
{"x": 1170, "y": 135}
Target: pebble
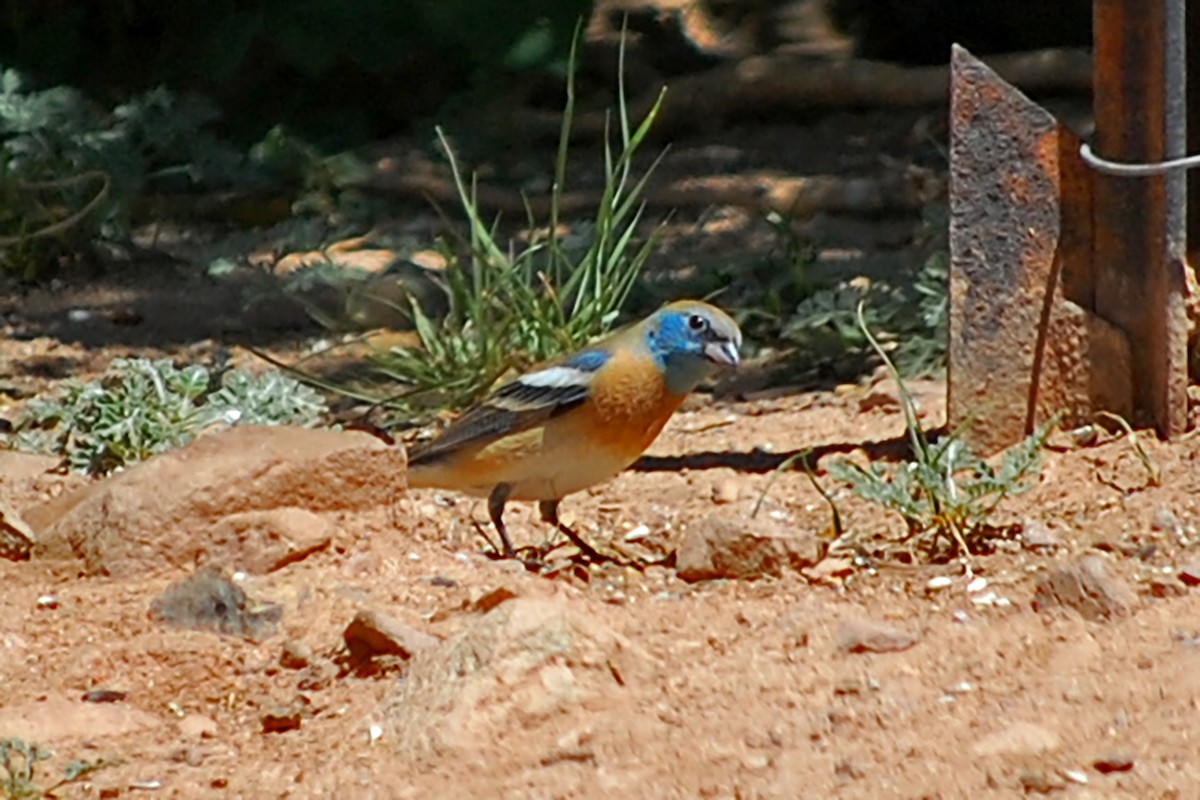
{"x": 282, "y": 720}
{"x": 1164, "y": 520}
{"x": 295, "y": 655}
{"x": 1040, "y": 782}
{"x": 372, "y": 634}
{"x": 1189, "y": 573}
{"x": 939, "y": 583}
{"x": 638, "y": 533}
{"x": 977, "y": 585}
{"x": 726, "y": 492}
{"x": 48, "y": 602}
{"x": 870, "y": 636}
{"x": 1037, "y": 536}
{"x": 1114, "y": 762}
{"x": 197, "y": 726}
{"x": 1075, "y": 776}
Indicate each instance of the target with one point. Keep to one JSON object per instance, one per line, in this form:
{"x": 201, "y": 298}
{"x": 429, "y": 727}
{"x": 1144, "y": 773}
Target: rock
{"x": 520, "y": 669}
{"x": 209, "y": 601}
{"x": 742, "y": 548}
{"x": 1163, "y": 586}
{"x": 1165, "y": 521}
{"x": 1018, "y": 739}
{"x": 1113, "y": 762}
{"x": 285, "y": 718}
{"x": 104, "y": 696}
{"x": 726, "y": 491}
{"x": 16, "y": 537}
{"x": 295, "y": 655}
{"x": 870, "y": 636}
{"x": 1038, "y": 536}
{"x": 1189, "y": 573}
{"x": 267, "y": 540}
{"x": 492, "y": 598}
{"x": 1041, "y": 783}
{"x": 372, "y": 634}
{"x": 1088, "y": 586}
{"x": 197, "y": 726}
{"x": 171, "y": 511}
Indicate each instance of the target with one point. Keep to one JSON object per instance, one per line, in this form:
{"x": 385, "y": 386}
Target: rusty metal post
{"x": 1024, "y": 344}
{"x": 1193, "y": 122}
{"x": 1140, "y": 223}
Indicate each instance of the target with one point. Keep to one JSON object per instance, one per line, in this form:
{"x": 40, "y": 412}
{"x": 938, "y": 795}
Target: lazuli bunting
{"x": 579, "y": 420}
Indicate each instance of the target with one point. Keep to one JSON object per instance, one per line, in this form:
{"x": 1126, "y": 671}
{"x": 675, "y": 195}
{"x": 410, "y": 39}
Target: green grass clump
{"x": 138, "y": 408}
{"x": 513, "y": 305}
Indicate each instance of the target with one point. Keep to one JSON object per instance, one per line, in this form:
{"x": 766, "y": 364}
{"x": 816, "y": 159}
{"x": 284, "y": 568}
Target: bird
{"x": 578, "y": 420}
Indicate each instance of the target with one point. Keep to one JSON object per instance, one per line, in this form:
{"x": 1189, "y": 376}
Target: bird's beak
{"x": 725, "y": 352}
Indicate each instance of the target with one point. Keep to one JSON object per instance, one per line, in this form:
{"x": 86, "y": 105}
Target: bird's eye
{"x": 697, "y": 322}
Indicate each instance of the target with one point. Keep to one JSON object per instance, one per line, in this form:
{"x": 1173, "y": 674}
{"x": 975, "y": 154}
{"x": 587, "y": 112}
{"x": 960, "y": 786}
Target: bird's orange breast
{"x": 628, "y": 405}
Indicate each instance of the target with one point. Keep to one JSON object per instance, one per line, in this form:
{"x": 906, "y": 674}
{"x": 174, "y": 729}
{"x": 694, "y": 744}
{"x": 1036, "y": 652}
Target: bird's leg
{"x": 496, "y": 501}
{"x": 549, "y": 512}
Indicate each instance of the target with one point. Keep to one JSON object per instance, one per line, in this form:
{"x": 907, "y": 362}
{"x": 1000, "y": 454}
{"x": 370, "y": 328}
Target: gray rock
{"x": 209, "y": 600}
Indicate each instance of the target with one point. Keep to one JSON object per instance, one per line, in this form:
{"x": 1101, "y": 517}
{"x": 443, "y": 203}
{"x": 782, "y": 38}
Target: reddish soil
{"x": 716, "y": 689}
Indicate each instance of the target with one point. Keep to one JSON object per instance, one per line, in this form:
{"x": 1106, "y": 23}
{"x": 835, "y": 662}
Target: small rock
{"x": 489, "y": 600}
{"x": 104, "y": 696}
{"x": 1163, "y": 586}
{"x": 47, "y": 602}
{"x": 1165, "y": 521}
{"x": 295, "y": 655}
{"x": 197, "y": 726}
{"x": 192, "y": 755}
{"x": 1037, "y": 536}
{"x": 1189, "y": 573}
{"x": 1114, "y": 762}
{"x": 210, "y": 600}
{"x": 1040, "y": 782}
{"x": 743, "y": 549}
{"x": 1075, "y": 776}
{"x": 282, "y": 720}
{"x": 977, "y": 585}
{"x": 1018, "y": 739}
{"x": 870, "y": 636}
{"x": 939, "y": 583}
{"x": 831, "y": 570}
{"x": 1088, "y": 586}
{"x": 372, "y": 634}
{"x": 848, "y": 768}
{"x": 726, "y": 492}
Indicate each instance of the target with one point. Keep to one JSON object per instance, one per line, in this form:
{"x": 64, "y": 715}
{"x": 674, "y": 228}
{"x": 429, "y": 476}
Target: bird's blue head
{"x": 691, "y": 340}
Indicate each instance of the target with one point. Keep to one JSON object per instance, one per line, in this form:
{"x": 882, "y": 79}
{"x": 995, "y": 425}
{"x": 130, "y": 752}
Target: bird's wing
{"x": 517, "y": 406}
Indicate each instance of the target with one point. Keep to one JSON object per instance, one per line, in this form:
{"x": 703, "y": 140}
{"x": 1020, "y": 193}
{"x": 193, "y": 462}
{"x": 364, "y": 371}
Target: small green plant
{"x": 19, "y": 760}
{"x": 909, "y": 312}
{"x": 946, "y": 494}
{"x": 70, "y": 170}
{"x": 511, "y": 305}
{"x": 138, "y": 408}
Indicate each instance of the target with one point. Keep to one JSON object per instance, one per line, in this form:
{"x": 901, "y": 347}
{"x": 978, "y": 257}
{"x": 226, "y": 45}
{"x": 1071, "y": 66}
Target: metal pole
{"x": 1140, "y": 223}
